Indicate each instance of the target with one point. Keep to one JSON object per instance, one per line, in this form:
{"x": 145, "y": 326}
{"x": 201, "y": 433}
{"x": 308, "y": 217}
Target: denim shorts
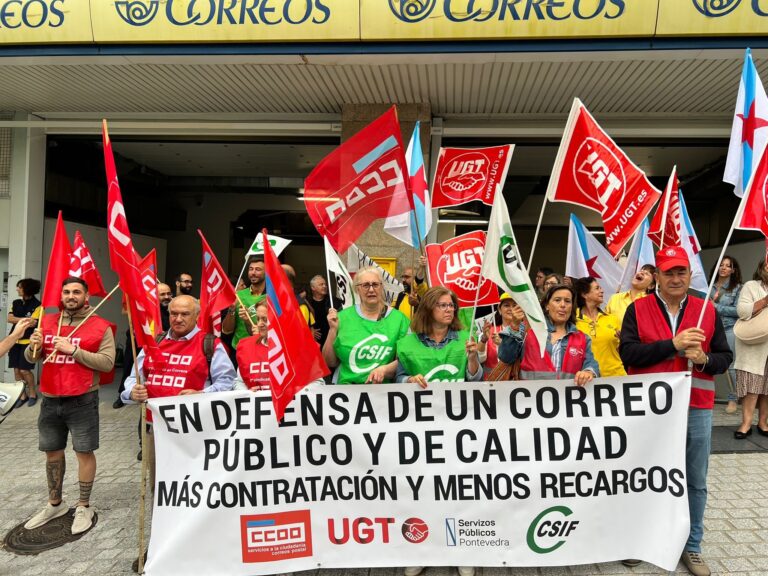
{"x": 78, "y": 415}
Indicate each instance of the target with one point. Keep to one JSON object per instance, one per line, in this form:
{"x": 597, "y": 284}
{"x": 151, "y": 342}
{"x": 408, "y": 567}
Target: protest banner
{"x": 463, "y": 474}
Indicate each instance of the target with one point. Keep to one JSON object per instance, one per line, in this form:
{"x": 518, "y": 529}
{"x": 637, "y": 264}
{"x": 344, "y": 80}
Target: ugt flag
{"x": 587, "y": 257}
{"x": 216, "y": 291}
{"x": 123, "y": 257}
{"x": 363, "y": 180}
{"x": 503, "y": 265}
{"x": 81, "y": 264}
{"x": 592, "y": 171}
{"x": 665, "y": 226}
{"x": 466, "y": 174}
{"x": 413, "y": 226}
{"x": 749, "y": 133}
{"x": 294, "y": 357}
{"x": 753, "y": 209}
{"x": 58, "y": 266}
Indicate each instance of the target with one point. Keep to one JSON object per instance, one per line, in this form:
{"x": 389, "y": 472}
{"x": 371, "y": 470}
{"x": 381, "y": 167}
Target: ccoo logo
{"x": 412, "y": 11}
{"x": 716, "y": 8}
{"x": 137, "y": 12}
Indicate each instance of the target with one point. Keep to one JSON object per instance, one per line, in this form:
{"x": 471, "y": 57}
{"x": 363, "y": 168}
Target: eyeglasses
{"x": 446, "y": 306}
{"x": 368, "y": 285}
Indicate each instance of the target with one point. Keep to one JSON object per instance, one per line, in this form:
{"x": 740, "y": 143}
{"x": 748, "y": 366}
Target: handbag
{"x": 754, "y": 330}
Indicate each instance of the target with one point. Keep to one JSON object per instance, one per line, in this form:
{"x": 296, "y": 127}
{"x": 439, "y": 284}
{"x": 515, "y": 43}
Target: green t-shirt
{"x": 249, "y": 300}
{"x": 363, "y": 345}
{"x": 446, "y": 364}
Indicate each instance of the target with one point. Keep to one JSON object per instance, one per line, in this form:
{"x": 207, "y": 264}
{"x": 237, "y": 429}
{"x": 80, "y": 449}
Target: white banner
{"x": 490, "y": 474}
{"x": 357, "y": 259}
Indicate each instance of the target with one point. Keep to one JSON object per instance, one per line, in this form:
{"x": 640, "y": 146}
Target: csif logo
{"x": 551, "y": 524}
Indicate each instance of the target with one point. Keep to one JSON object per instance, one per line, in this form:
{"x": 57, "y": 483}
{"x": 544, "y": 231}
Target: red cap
{"x": 671, "y": 256}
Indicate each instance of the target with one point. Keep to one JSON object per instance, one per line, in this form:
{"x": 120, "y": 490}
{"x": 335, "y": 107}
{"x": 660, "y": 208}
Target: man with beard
{"x": 70, "y": 388}
{"x": 315, "y": 309}
{"x": 240, "y": 317}
{"x": 165, "y": 295}
{"x": 413, "y": 288}
{"x": 184, "y": 284}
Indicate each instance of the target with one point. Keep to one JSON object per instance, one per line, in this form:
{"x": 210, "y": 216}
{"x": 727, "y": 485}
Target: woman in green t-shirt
{"x": 438, "y": 349}
{"x": 362, "y": 339}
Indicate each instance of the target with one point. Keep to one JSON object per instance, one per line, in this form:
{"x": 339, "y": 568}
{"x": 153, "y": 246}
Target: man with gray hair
{"x": 319, "y": 304}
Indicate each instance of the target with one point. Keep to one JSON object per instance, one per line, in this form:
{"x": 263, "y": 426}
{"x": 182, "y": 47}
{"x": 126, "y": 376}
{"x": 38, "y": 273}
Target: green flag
{"x": 502, "y": 264}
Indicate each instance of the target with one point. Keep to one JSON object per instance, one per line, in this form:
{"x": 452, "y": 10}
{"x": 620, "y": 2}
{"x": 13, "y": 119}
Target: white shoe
{"x": 413, "y": 570}
{"x": 46, "y": 515}
{"x": 83, "y": 519}
{"x": 466, "y": 570}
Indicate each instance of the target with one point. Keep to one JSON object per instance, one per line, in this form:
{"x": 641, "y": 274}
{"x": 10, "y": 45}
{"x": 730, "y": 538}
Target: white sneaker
{"x": 46, "y": 515}
{"x": 466, "y": 570}
{"x": 413, "y": 570}
{"x": 83, "y": 519}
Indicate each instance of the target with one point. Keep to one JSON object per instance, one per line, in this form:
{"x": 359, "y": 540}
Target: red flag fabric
{"x": 456, "y": 264}
{"x": 466, "y": 174}
{"x": 123, "y": 258}
{"x": 81, "y": 265}
{"x": 148, "y": 271}
{"x": 667, "y": 216}
{"x": 216, "y": 291}
{"x": 294, "y": 357}
{"x": 753, "y": 210}
{"x": 592, "y": 171}
{"x": 361, "y": 181}
{"x": 58, "y": 266}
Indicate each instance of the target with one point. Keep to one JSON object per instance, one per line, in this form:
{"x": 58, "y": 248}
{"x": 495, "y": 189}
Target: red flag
{"x": 148, "y": 271}
{"x": 456, "y": 264}
{"x": 753, "y": 210}
{"x": 58, "y": 266}
{"x": 361, "y": 181}
{"x": 466, "y": 174}
{"x": 81, "y": 265}
{"x": 216, "y": 291}
{"x": 667, "y": 216}
{"x": 123, "y": 257}
{"x": 294, "y": 357}
{"x": 592, "y": 171}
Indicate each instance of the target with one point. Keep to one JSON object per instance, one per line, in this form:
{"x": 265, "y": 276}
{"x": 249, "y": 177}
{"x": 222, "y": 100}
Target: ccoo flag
{"x": 503, "y": 265}
{"x": 294, "y": 357}
{"x": 412, "y": 227}
{"x": 592, "y": 171}
{"x": 58, "y": 266}
{"x": 665, "y": 227}
{"x": 81, "y": 264}
{"x": 587, "y": 257}
{"x": 749, "y": 133}
{"x": 216, "y": 291}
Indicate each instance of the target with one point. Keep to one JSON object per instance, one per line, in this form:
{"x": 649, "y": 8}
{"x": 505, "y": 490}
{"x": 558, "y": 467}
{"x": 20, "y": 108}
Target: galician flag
{"x": 690, "y": 244}
{"x": 404, "y": 226}
{"x": 640, "y": 253}
{"x": 588, "y": 257}
{"x": 749, "y": 133}
{"x": 503, "y": 265}
{"x": 345, "y": 291}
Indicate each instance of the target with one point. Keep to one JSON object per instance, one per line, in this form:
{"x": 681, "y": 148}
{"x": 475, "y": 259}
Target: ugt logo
{"x": 137, "y": 12}
{"x": 412, "y": 11}
{"x": 716, "y": 8}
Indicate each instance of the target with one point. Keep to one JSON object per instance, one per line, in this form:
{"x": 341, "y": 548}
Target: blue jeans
{"x": 697, "y": 447}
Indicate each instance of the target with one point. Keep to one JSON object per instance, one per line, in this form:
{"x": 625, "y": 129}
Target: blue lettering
{"x": 325, "y": 10}
{"x": 509, "y": 6}
{"x": 27, "y": 18}
{"x": 226, "y": 10}
{"x": 468, "y": 14}
{"x": 287, "y": 11}
{"x": 264, "y": 10}
{"x": 620, "y": 5}
{"x": 552, "y": 5}
{"x": 7, "y": 12}
{"x": 55, "y": 11}
{"x": 580, "y": 16}
{"x": 250, "y": 9}
{"x": 211, "y": 11}
{"x": 536, "y": 6}
{"x": 756, "y": 7}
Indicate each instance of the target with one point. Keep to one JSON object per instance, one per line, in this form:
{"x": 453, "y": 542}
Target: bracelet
{"x": 75, "y": 349}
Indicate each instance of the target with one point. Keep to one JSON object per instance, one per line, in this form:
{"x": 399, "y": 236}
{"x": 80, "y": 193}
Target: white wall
{"x": 747, "y": 254}
{"x": 96, "y": 240}
{"x": 5, "y": 222}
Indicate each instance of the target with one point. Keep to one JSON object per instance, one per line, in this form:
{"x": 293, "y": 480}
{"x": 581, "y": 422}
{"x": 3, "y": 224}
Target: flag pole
{"x": 536, "y": 235}
{"x": 665, "y": 210}
{"x": 144, "y": 466}
{"x": 90, "y": 313}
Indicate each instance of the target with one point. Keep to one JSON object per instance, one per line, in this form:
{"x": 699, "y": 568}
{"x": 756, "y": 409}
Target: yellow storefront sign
{"x": 202, "y": 21}
{"x": 45, "y": 22}
{"x": 505, "y": 19}
{"x": 713, "y": 18}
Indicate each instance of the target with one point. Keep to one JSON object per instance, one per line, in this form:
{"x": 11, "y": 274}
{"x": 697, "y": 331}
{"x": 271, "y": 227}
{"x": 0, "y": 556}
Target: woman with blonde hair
{"x": 362, "y": 339}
